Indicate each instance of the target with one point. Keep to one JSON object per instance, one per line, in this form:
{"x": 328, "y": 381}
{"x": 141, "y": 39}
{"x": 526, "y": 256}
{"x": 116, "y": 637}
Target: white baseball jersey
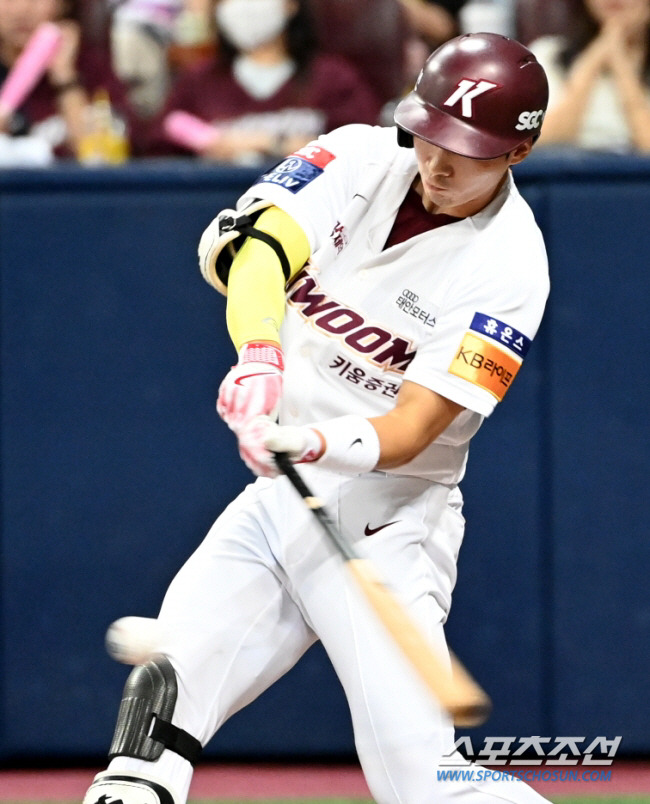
{"x": 453, "y": 309}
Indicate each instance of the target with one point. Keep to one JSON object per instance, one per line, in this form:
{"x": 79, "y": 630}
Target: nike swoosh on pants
{"x": 370, "y": 531}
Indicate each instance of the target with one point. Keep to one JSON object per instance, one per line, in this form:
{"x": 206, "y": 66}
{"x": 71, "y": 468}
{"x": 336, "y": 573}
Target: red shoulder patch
{"x": 315, "y": 155}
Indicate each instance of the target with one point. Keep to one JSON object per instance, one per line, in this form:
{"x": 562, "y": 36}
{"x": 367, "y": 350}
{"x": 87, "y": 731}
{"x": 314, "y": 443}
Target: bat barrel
{"x": 456, "y": 691}
{"x": 470, "y": 715}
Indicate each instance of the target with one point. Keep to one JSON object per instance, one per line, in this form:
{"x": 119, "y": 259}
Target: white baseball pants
{"x": 266, "y": 583}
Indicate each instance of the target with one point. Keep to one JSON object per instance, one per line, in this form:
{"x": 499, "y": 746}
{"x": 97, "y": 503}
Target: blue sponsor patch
{"x": 293, "y": 173}
{"x": 503, "y": 334}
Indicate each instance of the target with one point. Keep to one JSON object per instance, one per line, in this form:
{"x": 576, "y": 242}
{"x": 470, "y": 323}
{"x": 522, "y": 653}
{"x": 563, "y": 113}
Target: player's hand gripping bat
{"x": 457, "y": 693}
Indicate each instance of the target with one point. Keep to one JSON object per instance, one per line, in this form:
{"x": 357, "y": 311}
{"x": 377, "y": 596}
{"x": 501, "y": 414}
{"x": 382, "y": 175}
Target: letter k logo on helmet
{"x": 466, "y": 92}
{"x": 471, "y": 95}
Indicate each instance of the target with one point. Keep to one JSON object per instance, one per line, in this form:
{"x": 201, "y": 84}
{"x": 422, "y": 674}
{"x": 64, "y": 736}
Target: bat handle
{"x": 315, "y": 504}
{"x": 285, "y": 465}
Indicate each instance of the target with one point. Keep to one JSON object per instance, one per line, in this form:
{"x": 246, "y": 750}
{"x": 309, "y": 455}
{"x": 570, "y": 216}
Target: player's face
{"x": 457, "y": 185}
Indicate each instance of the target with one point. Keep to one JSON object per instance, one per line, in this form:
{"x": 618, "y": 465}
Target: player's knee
{"x": 111, "y": 788}
{"x": 144, "y": 728}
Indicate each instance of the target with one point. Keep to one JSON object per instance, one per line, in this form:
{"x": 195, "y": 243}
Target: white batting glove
{"x": 261, "y": 437}
{"x": 253, "y": 387}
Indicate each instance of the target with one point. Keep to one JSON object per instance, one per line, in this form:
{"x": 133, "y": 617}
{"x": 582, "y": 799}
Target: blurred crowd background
{"x": 245, "y": 81}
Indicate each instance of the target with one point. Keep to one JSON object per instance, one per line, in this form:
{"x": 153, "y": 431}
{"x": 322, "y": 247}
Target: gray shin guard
{"x": 144, "y": 728}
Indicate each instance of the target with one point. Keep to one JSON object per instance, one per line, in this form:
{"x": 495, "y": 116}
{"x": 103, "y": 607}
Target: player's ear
{"x": 519, "y": 153}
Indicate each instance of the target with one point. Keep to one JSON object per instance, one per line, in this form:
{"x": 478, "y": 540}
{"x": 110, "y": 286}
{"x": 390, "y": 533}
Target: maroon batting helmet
{"x": 478, "y": 95}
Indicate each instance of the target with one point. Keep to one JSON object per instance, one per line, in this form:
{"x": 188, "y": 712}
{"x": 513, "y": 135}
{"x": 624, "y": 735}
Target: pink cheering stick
{"x": 190, "y": 131}
{"x": 29, "y": 67}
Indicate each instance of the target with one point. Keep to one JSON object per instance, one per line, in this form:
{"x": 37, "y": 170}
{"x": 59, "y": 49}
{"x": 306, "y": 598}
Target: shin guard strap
{"x": 175, "y": 739}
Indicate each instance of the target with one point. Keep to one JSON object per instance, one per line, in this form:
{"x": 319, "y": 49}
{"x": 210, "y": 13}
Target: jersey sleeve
{"x": 316, "y": 182}
{"x": 484, "y": 331}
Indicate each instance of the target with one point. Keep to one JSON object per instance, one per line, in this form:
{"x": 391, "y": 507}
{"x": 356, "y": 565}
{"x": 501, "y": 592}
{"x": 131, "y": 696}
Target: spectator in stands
{"x": 372, "y": 35}
{"x": 271, "y": 88}
{"x": 599, "y": 77}
{"x": 55, "y": 113}
{"x": 431, "y": 22}
{"x": 435, "y": 21}
{"x": 149, "y": 37}
{"x": 140, "y": 33}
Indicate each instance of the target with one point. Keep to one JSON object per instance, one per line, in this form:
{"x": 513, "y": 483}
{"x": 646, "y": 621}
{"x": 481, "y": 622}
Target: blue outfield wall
{"x": 114, "y": 463}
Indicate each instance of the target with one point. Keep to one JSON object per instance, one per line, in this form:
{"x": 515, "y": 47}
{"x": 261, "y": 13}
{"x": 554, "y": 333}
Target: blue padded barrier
{"x": 114, "y": 463}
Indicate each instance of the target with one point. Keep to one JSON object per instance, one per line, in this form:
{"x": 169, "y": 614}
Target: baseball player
{"x": 384, "y": 286}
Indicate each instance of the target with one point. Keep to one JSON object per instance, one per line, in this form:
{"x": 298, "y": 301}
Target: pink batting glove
{"x": 252, "y": 450}
{"x": 253, "y": 387}
{"x": 261, "y": 437}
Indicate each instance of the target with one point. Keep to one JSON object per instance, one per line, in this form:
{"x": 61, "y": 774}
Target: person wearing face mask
{"x": 270, "y": 89}
{"x": 599, "y": 77}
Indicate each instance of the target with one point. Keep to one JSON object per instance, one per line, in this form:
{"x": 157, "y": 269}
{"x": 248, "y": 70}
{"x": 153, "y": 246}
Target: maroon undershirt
{"x": 413, "y": 219}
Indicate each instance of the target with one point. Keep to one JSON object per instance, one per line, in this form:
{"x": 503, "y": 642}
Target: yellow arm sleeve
{"x": 256, "y": 297}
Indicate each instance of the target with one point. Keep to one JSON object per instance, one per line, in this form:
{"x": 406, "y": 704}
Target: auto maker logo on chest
{"x": 409, "y": 303}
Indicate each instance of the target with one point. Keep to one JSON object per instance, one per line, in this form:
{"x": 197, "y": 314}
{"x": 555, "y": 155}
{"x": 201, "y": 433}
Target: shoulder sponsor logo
{"x": 466, "y": 91}
{"x": 315, "y": 155}
{"x": 483, "y": 363}
{"x": 502, "y": 333}
{"x": 289, "y": 165}
{"x": 299, "y": 169}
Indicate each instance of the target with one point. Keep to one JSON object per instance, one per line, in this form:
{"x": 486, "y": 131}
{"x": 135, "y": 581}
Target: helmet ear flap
{"x": 404, "y": 138}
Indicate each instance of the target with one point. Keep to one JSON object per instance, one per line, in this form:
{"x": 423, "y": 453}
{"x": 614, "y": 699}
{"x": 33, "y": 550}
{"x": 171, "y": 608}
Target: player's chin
{"x": 435, "y": 192}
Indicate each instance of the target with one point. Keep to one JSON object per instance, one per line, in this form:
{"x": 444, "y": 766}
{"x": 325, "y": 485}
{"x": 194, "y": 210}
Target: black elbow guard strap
{"x": 223, "y": 238}
{"x": 244, "y": 225}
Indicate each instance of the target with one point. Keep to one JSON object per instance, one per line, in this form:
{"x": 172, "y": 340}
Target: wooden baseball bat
{"x": 458, "y": 693}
